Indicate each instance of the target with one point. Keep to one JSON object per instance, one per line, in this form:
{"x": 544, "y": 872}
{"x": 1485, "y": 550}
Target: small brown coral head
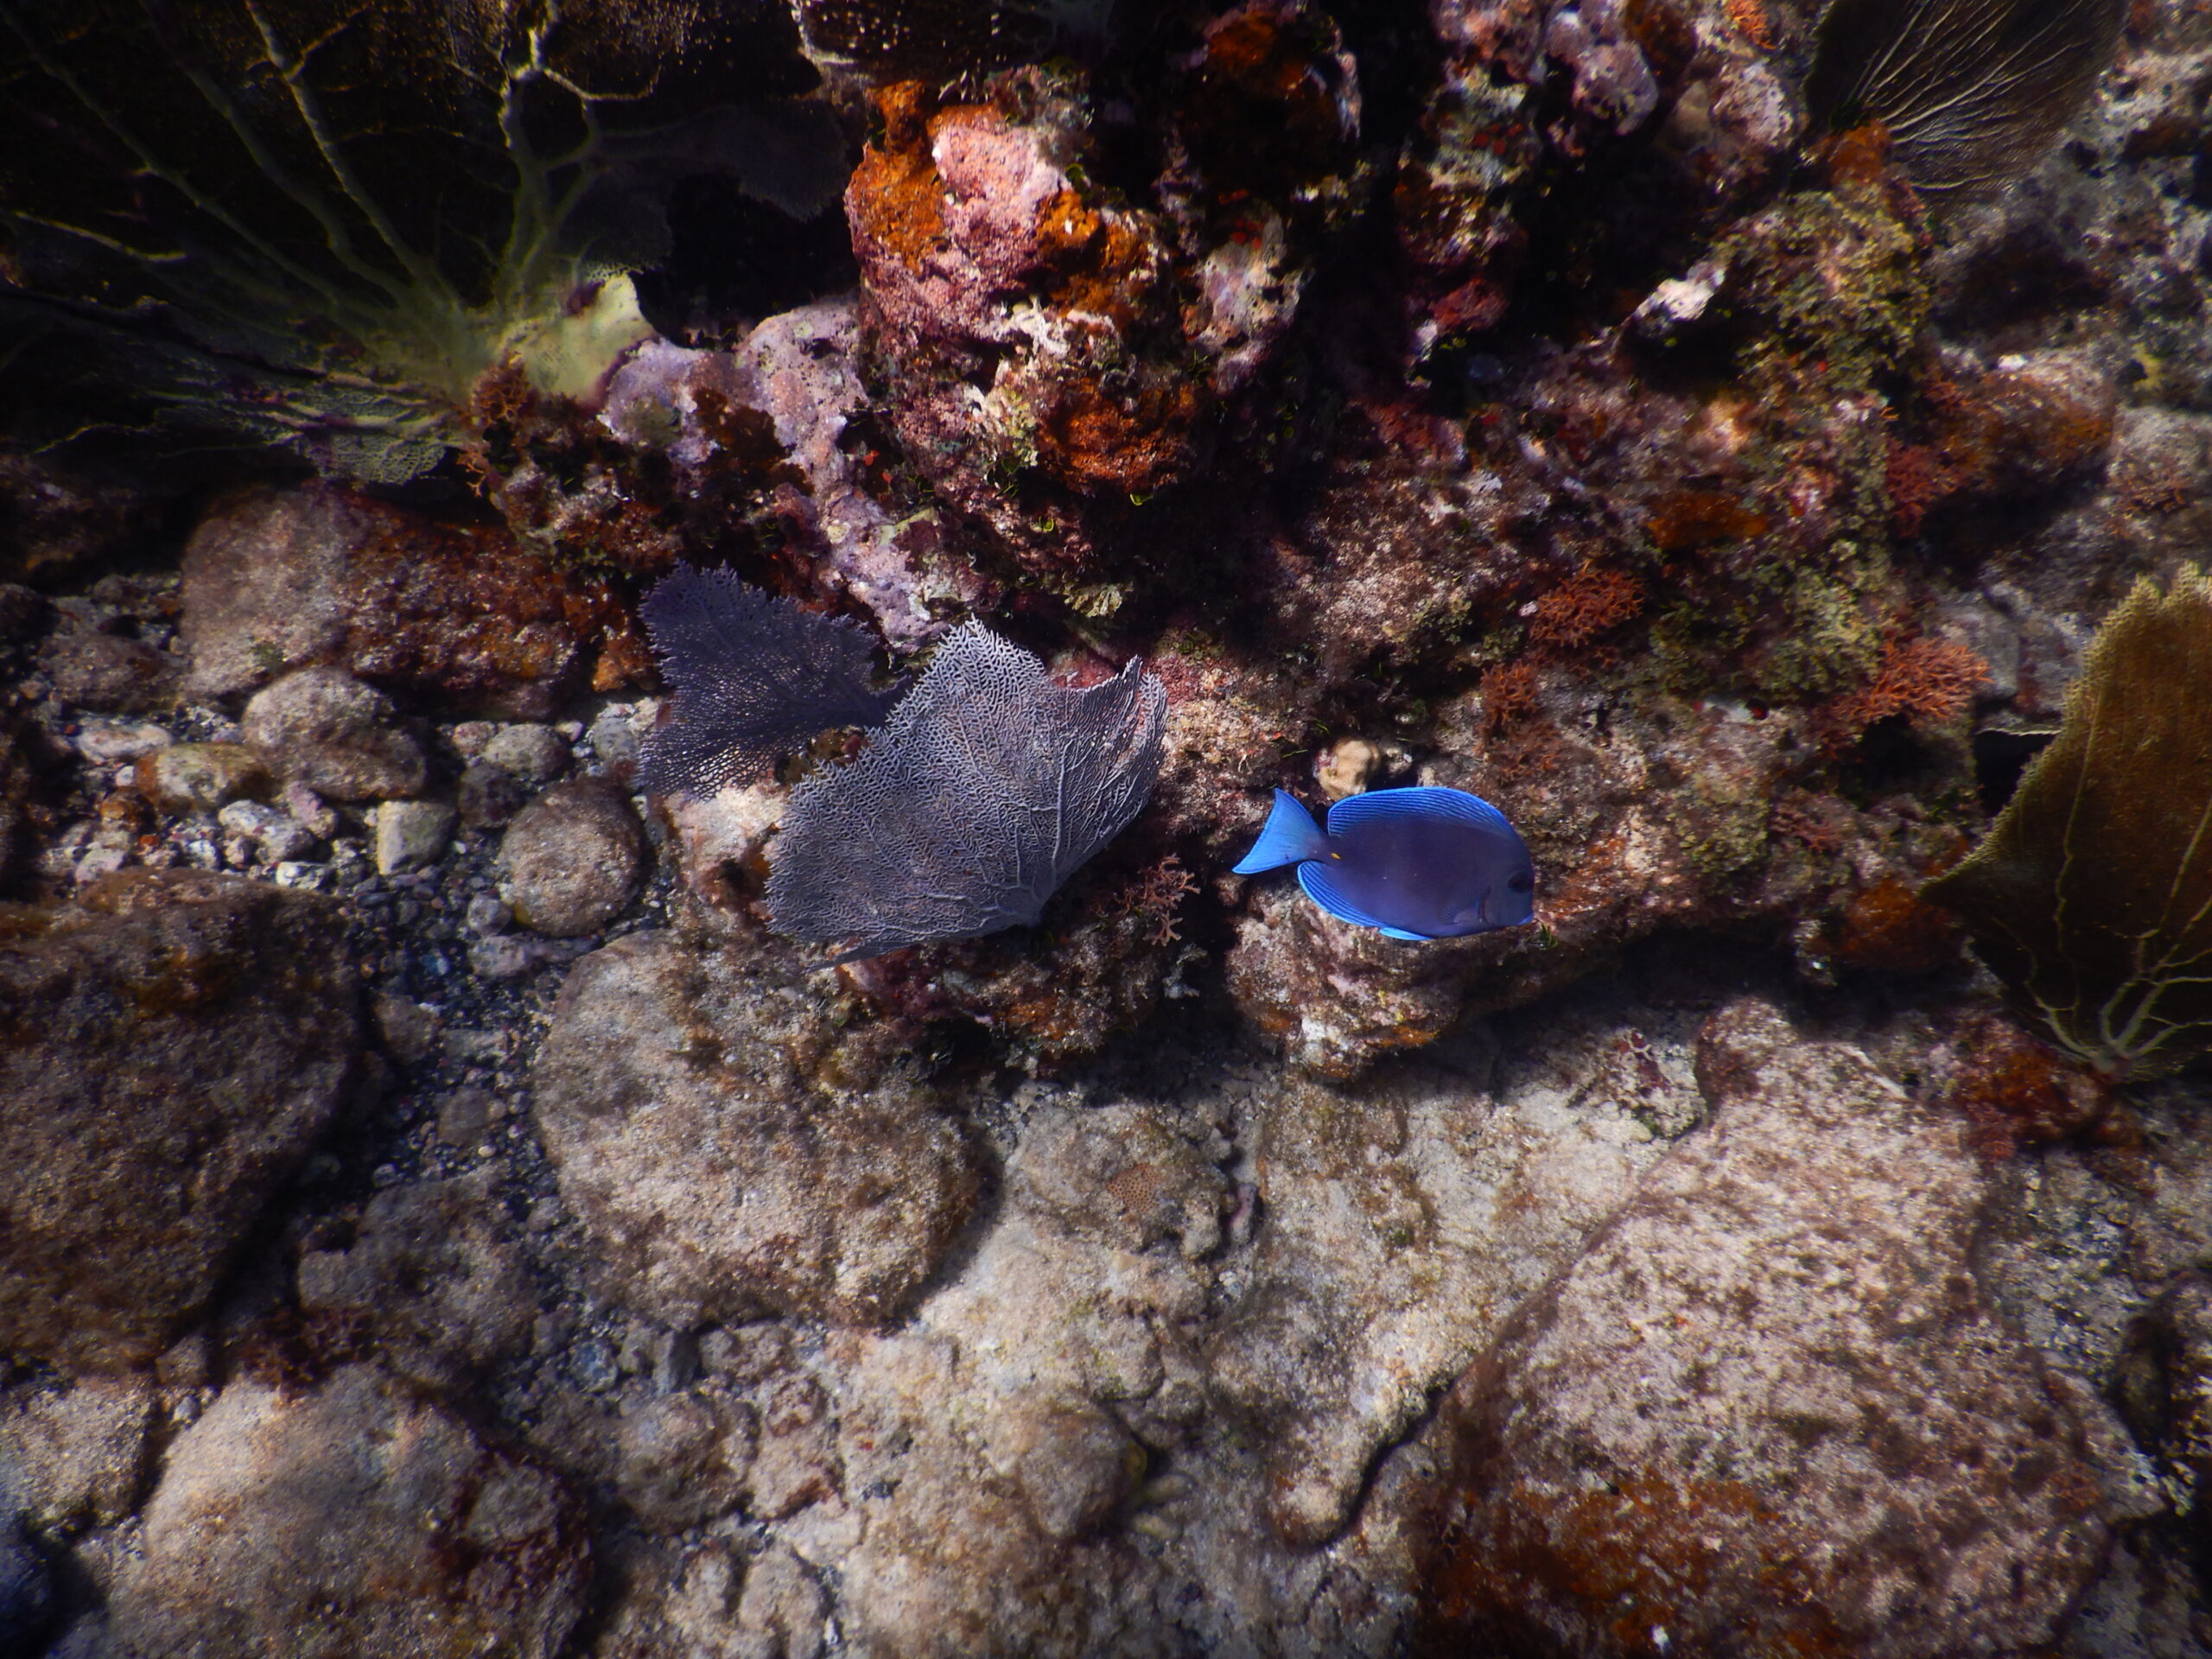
{"x": 2092, "y": 895}
{"x": 2014, "y": 1090}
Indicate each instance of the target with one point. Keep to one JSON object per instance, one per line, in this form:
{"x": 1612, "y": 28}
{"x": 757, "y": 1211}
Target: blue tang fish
{"x": 1418, "y": 863}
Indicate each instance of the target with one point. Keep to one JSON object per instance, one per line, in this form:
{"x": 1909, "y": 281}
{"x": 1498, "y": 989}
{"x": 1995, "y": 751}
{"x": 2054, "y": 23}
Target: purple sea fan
{"x": 985, "y": 790}
{"x": 755, "y": 676}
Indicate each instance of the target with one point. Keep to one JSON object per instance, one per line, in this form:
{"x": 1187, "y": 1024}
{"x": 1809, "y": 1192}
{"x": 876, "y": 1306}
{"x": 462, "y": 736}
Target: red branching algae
{"x": 1509, "y": 695}
{"x": 1927, "y": 681}
{"x": 1916, "y": 481}
{"x": 1588, "y": 605}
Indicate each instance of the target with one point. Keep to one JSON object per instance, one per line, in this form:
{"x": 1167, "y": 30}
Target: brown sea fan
{"x": 2091, "y": 896}
{"x": 1972, "y": 91}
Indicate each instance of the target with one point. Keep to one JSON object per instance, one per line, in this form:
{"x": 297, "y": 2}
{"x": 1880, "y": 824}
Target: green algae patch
{"x": 2092, "y": 896}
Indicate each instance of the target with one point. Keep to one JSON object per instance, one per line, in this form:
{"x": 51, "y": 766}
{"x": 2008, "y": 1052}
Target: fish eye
{"x": 1522, "y": 883}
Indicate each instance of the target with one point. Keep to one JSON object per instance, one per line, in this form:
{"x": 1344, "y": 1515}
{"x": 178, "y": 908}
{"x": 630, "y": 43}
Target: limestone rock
{"x": 277, "y": 579}
{"x": 26, "y": 1591}
{"x": 782, "y": 1608}
{"x": 200, "y": 777}
{"x": 90, "y": 668}
{"x": 171, "y": 1047}
{"x": 1074, "y": 1464}
{"x": 712, "y": 1601}
{"x": 410, "y": 834}
{"x": 489, "y": 795}
{"x": 105, "y": 743}
{"x": 722, "y": 840}
{"x": 322, "y": 727}
{"x": 277, "y": 835}
{"x": 987, "y": 1446}
{"x": 1768, "y": 1408}
{"x": 355, "y": 1519}
{"x": 1128, "y": 1176}
{"x": 796, "y": 1463}
{"x": 953, "y": 1560}
{"x": 683, "y": 1458}
{"x": 1406, "y": 1218}
{"x": 77, "y": 1454}
{"x": 567, "y": 865}
{"x": 730, "y": 1151}
{"x": 536, "y": 754}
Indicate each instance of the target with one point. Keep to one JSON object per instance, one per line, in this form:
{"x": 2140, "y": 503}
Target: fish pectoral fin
{"x": 1401, "y": 933}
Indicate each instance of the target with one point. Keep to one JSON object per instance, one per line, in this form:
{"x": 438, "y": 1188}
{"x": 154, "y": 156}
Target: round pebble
{"x": 410, "y": 834}
{"x": 536, "y": 754}
{"x": 569, "y": 863}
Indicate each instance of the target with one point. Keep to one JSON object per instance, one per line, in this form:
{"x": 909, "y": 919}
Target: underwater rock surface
{"x": 1769, "y": 1405}
{"x": 729, "y": 1153}
{"x": 353, "y": 1518}
{"x": 176, "y": 1045}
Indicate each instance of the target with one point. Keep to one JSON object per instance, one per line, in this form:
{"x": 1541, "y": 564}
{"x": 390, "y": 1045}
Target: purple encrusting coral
{"x": 1579, "y": 406}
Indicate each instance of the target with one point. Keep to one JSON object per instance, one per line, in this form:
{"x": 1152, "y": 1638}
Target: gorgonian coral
{"x": 1971, "y": 90}
{"x": 985, "y": 790}
{"x": 2092, "y": 896}
{"x": 755, "y": 676}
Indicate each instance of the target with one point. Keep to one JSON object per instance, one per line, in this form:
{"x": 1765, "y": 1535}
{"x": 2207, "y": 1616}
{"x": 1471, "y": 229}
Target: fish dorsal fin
{"x": 1291, "y": 837}
{"x": 1384, "y": 805}
{"x": 1321, "y": 888}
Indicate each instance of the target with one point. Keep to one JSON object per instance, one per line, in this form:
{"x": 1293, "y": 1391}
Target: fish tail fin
{"x": 1290, "y": 836}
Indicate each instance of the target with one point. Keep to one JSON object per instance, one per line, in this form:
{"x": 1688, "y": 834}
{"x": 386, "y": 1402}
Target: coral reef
{"x": 1048, "y": 377}
{"x": 445, "y": 1213}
